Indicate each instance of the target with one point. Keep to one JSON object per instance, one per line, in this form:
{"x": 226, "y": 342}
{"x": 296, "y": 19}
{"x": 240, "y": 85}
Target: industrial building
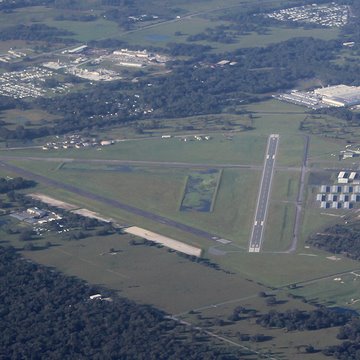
{"x": 331, "y": 96}
{"x": 339, "y": 95}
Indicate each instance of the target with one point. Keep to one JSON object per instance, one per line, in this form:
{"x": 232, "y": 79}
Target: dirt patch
{"x": 91, "y": 214}
{"x": 163, "y": 240}
{"x": 53, "y": 202}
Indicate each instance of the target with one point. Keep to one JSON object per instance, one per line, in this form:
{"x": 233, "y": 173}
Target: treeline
{"x": 339, "y": 239}
{"x": 340, "y": 113}
{"x": 35, "y": 32}
{"x": 352, "y": 30}
{"x": 66, "y": 324}
{"x": 350, "y": 348}
{"x": 17, "y": 183}
{"x": 15, "y": 4}
{"x": 199, "y": 88}
{"x": 304, "y": 320}
{"x": 75, "y": 17}
{"x": 195, "y": 87}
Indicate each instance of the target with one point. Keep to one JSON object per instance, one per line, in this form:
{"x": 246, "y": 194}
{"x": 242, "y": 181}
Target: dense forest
{"x": 304, "y": 320}
{"x": 46, "y": 315}
{"x": 35, "y": 32}
{"x": 17, "y": 183}
{"x": 350, "y": 348}
{"x": 339, "y": 239}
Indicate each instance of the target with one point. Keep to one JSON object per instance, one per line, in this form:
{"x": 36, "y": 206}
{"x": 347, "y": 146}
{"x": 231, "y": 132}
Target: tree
{"x": 25, "y": 235}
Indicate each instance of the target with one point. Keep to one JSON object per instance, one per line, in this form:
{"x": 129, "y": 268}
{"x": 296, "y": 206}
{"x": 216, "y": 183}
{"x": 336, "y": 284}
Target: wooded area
{"x": 46, "y": 315}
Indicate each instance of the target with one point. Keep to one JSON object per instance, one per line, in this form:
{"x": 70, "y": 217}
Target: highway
{"x": 264, "y": 194}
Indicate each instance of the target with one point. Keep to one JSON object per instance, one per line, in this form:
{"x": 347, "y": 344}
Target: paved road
{"x": 264, "y": 194}
{"x": 111, "y": 202}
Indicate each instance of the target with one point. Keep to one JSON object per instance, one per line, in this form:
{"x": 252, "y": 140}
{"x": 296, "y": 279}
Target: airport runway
{"x": 264, "y": 194}
{"x": 114, "y": 203}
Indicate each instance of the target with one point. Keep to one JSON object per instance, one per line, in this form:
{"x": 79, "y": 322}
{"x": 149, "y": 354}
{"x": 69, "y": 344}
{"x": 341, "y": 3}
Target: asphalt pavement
{"x": 264, "y": 194}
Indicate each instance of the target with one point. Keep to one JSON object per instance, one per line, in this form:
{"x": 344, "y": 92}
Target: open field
{"x": 280, "y": 344}
{"x": 342, "y": 290}
{"x": 281, "y": 269}
{"x": 87, "y": 30}
{"x": 53, "y": 202}
{"x": 164, "y": 241}
{"x": 83, "y": 30}
{"x": 162, "y": 34}
{"x": 280, "y": 226}
{"x": 285, "y": 186}
{"x": 26, "y": 118}
{"x": 161, "y": 193}
{"x": 244, "y": 148}
{"x": 145, "y": 274}
{"x": 182, "y": 126}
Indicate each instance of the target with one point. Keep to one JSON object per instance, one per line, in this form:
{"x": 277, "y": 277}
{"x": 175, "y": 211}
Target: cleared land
{"x": 53, "y": 202}
{"x": 145, "y": 274}
{"x": 163, "y": 240}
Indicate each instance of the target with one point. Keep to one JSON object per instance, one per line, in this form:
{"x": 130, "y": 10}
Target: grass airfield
{"x": 159, "y": 188}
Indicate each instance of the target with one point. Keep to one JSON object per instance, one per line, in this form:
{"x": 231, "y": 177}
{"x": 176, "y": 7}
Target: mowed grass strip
{"x": 244, "y": 148}
{"x": 279, "y": 227}
{"x": 281, "y": 269}
{"x": 285, "y": 185}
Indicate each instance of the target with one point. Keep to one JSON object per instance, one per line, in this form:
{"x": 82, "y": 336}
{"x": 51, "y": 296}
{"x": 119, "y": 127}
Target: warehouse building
{"x": 339, "y": 95}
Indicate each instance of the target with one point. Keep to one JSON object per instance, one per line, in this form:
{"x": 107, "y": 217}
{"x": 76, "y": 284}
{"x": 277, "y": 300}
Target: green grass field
{"x": 280, "y": 344}
{"x": 280, "y": 224}
{"x": 26, "y": 118}
{"x": 161, "y": 34}
{"x": 147, "y": 275}
{"x": 161, "y": 193}
{"x": 244, "y": 148}
{"x": 342, "y": 290}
